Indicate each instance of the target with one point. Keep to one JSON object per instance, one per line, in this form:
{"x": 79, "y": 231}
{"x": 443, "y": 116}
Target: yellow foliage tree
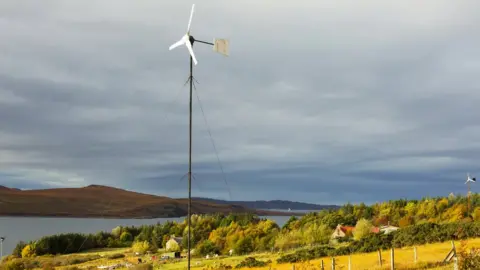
{"x": 218, "y": 237}
{"x": 442, "y": 204}
{"x": 289, "y": 240}
{"x": 362, "y": 229}
{"x": 316, "y": 234}
{"x": 28, "y": 251}
{"x": 411, "y": 208}
{"x": 405, "y": 221}
{"x": 476, "y": 214}
{"x": 457, "y": 212}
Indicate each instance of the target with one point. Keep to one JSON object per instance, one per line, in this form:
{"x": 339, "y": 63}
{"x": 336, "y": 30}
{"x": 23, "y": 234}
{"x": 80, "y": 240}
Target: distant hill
{"x": 106, "y": 202}
{"x": 274, "y": 204}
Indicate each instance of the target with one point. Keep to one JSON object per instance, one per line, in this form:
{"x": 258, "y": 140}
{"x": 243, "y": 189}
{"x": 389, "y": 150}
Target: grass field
{"x": 404, "y": 259}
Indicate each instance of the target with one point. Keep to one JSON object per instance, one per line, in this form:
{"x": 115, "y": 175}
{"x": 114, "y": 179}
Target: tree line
{"x": 246, "y": 233}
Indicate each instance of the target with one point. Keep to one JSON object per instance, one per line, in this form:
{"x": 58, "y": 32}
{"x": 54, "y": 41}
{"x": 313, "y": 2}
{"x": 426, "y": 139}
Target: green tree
{"x": 206, "y": 247}
{"x": 287, "y": 224}
{"x": 332, "y": 220}
{"x": 17, "y": 251}
{"x": 117, "y": 231}
{"x": 244, "y": 245}
{"x": 126, "y": 237}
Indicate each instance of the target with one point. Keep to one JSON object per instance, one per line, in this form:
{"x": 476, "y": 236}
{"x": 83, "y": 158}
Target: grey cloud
{"x": 320, "y": 102}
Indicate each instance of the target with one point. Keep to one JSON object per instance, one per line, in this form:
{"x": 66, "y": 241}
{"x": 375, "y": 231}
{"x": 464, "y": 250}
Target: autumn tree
{"x": 316, "y": 234}
{"x": 405, "y": 221}
{"x": 362, "y": 229}
{"x": 28, "y": 251}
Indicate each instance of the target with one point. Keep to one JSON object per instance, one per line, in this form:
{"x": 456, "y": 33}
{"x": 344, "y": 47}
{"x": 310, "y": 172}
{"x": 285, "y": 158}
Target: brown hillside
{"x": 101, "y": 201}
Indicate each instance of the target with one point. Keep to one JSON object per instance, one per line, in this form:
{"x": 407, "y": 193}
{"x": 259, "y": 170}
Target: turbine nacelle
{"x": 470, "y": 179}
{"x": 219, "y": 45}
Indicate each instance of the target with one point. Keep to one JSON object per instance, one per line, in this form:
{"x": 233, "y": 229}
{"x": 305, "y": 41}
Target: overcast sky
{"x": 319, "y": 101}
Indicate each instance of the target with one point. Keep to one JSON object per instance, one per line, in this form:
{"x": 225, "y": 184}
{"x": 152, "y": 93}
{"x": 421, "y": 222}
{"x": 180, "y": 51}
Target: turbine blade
{"x": 176, "y": 44}
{"x": 190, "y": 49}
{"x": 190, "y": 21}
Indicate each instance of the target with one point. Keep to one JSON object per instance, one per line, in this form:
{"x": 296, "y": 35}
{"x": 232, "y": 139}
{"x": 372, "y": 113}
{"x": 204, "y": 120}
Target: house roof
{"x": 346, "y": 229}
{"x": 388, "y": 227}
{"x": 176, "y": 239}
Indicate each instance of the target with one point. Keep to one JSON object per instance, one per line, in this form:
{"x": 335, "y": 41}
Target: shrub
{"x": 372, "y": 243}
{"x": 306, "y": 254}
{"x": 8, "y": 258}
{"x": 14, "y": 265}
{"x": 48, "y": 266}
{"x": 468, "y": 260}
{"x": 143, "y": 266}
{"x": 82, "y": 259}
{"x": 251, "y": 262}
{"x": 221, "y": 266}
{"x": 141, "y": 247}
{"x": 116, "y": 256}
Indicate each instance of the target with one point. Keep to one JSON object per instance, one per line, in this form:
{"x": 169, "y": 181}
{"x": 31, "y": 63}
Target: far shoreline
{"x": 260, "y": 214}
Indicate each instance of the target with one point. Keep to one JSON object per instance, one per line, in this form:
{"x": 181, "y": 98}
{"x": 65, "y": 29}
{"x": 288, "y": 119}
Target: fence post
{"x": 293, "y": 266}
{"x": 455, "y": 263}
{"x": 322, "y": 267}
{"x": 350, "y": 262}
{"x": 333, "y": 263}
{"x": 392, "y": 259}
{"x": 380, "y": 257}
{"x": 415, "y": 254}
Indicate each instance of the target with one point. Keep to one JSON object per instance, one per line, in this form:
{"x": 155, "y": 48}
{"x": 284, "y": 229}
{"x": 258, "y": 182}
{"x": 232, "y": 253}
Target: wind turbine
{"x": 221, "y": 46}
{"x": 469, "y": 180}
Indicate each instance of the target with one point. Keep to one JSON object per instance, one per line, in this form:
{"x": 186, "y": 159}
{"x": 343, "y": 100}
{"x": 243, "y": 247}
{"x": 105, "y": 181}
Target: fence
{"x": 411, "y": 257}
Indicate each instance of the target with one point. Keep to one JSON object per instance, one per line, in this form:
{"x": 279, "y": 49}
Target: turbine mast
{"x": 221, "y": 46}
